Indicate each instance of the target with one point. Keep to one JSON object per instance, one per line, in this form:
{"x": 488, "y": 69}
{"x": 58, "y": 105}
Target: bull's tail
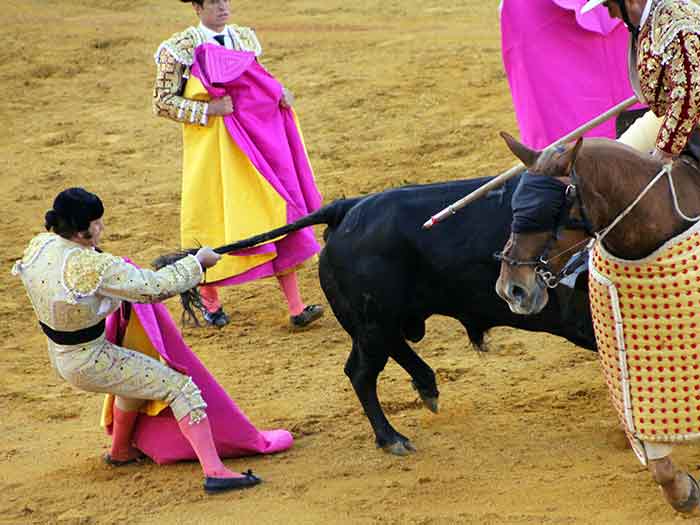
{"x": 331, "y": 215}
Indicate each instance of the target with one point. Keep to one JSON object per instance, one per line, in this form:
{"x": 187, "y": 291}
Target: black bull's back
{"x": 391, "y": 271}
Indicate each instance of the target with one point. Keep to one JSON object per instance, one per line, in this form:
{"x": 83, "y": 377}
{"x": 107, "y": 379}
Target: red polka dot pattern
{"x": 657, "y": 301}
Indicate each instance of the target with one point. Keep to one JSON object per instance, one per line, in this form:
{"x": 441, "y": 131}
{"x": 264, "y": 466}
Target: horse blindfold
{"x": 538, "y": 203}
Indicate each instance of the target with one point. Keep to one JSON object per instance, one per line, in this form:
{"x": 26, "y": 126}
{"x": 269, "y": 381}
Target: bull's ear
{"x": 569, "y": 157}
{"x": 526, "y": 155}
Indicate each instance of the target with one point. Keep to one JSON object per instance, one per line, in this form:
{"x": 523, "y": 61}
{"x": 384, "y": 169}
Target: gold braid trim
{"x": 247, "y": 39}
{"x": 668, "y": 18}
{"x": 83, "y": 271}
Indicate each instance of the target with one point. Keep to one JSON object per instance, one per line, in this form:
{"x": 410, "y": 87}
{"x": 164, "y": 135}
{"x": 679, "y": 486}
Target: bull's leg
{"x": 363, "y": 367}
{"x": 423, "y": 377}
{"x": 679, "y": 488}
{"x": 475, "y": 331}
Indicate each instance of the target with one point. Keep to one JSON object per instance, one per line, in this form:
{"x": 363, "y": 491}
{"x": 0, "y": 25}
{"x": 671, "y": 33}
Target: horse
{"x": 628, "y": 207}
{"x": 383, "y": 276}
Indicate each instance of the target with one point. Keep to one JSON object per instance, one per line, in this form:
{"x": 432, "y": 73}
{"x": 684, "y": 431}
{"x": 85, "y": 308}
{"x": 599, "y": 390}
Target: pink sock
{"x": 122, "y": 431}
{"x": 290, "y": 288}
{"x": 210, "y": 297}
{"x": 199, "y": 436}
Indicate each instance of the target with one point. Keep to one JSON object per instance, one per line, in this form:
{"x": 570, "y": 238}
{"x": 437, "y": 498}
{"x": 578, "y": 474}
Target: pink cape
{"x": 564, "y": 68}
{"x": 268, "y": 135}
{"x": 159, "y": 436}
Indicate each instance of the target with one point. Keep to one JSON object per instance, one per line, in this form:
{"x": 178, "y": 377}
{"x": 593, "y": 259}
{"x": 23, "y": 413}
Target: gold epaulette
{"x": 668, "y": 18}
{"x": 248, "y": 39}
{"x": 181, "y": 45}
{"x": 84, "y": 270}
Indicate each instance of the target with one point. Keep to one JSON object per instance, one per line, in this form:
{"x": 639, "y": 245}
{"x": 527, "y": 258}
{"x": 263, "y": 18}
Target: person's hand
{"x": 220, "y": 106}
{"x": 661, "y": 156}
{"x": 287, "y": 98}
{"x": 207, "y": 257}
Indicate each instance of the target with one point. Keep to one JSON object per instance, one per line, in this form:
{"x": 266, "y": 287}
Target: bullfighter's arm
{"x": 87, "y": 272}
{"x": 682, "y": 77}
{"x": 168, "y": 101}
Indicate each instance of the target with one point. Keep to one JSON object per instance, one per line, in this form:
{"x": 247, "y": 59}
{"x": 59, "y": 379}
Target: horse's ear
{"x": 572, "y": 153}
{"x": 526, "y": 155}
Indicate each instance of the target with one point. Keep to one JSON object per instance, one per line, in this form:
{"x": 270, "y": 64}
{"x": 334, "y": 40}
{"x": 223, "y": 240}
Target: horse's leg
{"x": 422, "y": 376}
{"x": 679, "y": 488}
{"x": 362, "y": 368}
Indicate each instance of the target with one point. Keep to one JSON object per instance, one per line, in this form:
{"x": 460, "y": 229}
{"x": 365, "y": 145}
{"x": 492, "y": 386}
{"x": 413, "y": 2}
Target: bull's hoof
{"x": 399, "y": 448}
{"x": 430, "y": 401}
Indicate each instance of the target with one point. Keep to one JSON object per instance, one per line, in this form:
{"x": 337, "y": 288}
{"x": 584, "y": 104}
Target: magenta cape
{"x": 564, "y": 68}
{"x": 269, "y": 136}
{"x": 159, "y": 436}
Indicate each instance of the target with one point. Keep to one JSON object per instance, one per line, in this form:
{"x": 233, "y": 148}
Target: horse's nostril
{"x": 517, "y": 292}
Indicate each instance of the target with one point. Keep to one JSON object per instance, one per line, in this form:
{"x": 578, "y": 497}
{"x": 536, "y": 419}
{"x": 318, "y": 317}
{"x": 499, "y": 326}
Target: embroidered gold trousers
{"x": 100, "y": 366}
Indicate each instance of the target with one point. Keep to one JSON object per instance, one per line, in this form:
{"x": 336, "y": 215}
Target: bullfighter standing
{"x": 245, "y": 168}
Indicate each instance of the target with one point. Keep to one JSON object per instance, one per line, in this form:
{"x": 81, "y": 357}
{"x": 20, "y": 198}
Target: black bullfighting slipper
{"x": 307, "y": 316}
{"x": 120, "y": 463}
{"x": 218, "y": 318}
{"x": 216, "y": 485}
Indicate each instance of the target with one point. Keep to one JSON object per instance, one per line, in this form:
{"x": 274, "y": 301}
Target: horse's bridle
{"x": 564, "y": 221}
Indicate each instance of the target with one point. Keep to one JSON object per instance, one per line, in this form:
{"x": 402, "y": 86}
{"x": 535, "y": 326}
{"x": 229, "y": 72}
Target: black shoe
{"x": 107, "y": 458}
{"x": 306, "y": 317}
{"x": 218, "y": 318}
{"x": 216, "y": 485}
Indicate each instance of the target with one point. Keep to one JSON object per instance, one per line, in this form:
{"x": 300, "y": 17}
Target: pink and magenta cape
{"x": 269, "y": 136}
{"x": 563, "y": 68}
{"x": 159, "y": 436}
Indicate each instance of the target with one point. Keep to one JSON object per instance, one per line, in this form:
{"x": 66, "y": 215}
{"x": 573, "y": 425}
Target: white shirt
{"x": 229, "y": 36}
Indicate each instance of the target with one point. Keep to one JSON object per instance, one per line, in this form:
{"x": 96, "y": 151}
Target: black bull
{"x": 384, "y": 276}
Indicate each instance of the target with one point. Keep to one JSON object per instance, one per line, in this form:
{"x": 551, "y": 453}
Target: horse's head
{"x": 547, "y": 225}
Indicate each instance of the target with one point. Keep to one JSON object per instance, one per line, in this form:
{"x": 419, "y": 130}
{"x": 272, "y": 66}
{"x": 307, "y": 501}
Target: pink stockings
{"x": 199, "y": 436}
{"x": 210, "y": 297}
{"x": 122, "y": 431}
{"x": 290, "y": 288}
{"x": 288, "y": 285}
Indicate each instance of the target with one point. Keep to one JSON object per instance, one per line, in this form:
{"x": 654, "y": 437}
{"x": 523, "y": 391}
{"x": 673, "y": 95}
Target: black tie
{"x": 220, "y": 39}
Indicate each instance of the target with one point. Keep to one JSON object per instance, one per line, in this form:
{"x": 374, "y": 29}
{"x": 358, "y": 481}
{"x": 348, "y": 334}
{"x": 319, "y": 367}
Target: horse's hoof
{"x": 400, "y": 448}
{"x": 692, "y": 504}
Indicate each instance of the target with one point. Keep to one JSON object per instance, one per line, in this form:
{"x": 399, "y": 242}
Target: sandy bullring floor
{"x": 389, "y": 92}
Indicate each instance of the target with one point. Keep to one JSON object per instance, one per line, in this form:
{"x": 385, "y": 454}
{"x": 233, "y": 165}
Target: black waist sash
{"x": 76, "y": 337}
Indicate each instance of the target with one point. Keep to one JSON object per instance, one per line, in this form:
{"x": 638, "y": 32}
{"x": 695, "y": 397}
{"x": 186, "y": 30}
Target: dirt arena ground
{"x": 389, "y": 92}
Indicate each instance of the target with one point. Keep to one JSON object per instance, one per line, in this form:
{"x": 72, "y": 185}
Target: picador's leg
{"x": 679, "y": 488}
{"x": 423, "y": 377}
{"x": 363, "y": 367}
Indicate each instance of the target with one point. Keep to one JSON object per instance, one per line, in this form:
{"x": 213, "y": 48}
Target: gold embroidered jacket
{"x": 174, "y": 58}
{"x": 668, "y": 65}
{"x": 72, "y": 287}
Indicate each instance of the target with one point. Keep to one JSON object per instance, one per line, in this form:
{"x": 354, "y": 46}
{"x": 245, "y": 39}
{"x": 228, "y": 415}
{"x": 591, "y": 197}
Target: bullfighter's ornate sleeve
{"x": 682, "y": 78}
{"x": 167, "y": 92}
{"x": 87, "y": 272}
